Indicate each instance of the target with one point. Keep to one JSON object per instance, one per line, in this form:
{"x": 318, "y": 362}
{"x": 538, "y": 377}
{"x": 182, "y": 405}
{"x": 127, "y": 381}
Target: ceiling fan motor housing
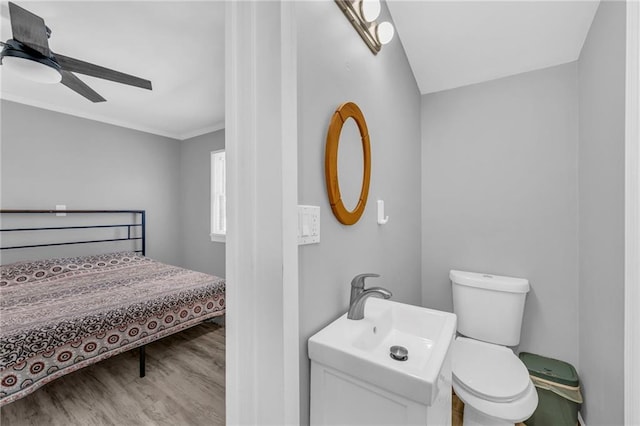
{"x": 18, "y": 50}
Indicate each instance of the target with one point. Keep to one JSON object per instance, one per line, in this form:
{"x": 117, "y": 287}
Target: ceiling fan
{"x": 28, "y": 53}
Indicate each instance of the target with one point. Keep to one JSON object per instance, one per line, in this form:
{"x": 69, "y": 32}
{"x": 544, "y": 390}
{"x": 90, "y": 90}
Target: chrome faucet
{"x": 359, "y": 295}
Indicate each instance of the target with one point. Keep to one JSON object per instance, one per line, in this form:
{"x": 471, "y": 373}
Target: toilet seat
{"x": 508, "y": 412}
{"x": 489, "y": 371}
{"x": 492, "y": 380}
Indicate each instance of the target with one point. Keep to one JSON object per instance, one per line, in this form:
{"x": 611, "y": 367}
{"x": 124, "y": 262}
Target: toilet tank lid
{"x": 490, "y": 281}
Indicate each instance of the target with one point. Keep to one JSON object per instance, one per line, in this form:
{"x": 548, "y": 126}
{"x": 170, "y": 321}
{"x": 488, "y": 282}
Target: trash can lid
{"x": 550, "y": 369}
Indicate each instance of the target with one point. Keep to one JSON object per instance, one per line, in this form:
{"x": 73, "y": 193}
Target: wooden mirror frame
{"x": 343, "y": 113}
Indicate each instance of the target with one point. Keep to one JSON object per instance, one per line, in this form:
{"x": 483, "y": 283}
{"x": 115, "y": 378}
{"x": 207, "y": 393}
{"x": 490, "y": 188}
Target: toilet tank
{"x": 489, "y": 307}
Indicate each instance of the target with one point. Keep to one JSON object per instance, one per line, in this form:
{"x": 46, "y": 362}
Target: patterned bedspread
{"x": 59, "y": 315}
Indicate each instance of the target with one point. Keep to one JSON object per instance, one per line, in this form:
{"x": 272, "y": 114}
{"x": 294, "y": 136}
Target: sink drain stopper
{"x": 399, "y": 353}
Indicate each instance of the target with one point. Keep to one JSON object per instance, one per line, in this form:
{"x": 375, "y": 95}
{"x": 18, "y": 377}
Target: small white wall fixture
{"x": 262, "y": 350}
{"x": 382, "y": 219}
{"x": 632, "y": 219}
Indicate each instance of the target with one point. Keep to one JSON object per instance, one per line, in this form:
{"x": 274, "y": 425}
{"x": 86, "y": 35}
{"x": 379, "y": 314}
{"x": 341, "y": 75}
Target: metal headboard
{"x": 141, "y": 224}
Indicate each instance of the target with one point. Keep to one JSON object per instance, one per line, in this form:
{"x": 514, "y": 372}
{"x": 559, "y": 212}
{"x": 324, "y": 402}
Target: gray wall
{"x": 334, "y": 67}
{"x": 499, "y": 195}
{"x": 50, "y": 158}
{"x": 198, "y": 251}
{"x": 601, "y": 215}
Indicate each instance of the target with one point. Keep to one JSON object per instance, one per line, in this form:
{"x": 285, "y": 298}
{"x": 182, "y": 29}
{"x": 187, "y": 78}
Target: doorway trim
{"x": 262, "y": 349}
{"x": 632, "y": 219}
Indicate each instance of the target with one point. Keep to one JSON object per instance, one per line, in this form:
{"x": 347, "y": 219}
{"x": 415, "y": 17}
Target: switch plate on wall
{"x": 308, "y": 225}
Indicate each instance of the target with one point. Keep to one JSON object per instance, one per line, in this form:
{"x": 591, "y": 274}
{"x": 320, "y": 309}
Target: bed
{"x": 59, "y": 315}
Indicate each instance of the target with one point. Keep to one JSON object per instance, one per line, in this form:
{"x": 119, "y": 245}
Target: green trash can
{"x": 558, "y": 387}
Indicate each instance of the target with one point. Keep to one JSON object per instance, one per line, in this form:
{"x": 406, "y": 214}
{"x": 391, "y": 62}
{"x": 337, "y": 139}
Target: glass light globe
{"x": 385, "y": 32}
{"x": 370, "y": 9}
{"x": 31, "y": 70}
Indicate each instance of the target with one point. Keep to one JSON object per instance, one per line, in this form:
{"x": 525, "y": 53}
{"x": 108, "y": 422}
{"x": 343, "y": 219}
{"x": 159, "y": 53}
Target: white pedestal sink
{"x": 355, "y": 381}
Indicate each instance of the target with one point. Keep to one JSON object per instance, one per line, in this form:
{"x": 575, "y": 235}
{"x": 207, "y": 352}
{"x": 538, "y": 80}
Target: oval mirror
{"x": 350, "y": 164}
{"x": 341, "y": 118}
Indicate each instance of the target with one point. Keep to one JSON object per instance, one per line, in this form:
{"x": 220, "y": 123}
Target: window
{"x": 218, "y": 197}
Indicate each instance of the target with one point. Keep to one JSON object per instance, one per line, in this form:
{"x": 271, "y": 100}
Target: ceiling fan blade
{"x": 78, "y": 86}
{"x": 86, "y": 68}
{"x": 29, "y": 29}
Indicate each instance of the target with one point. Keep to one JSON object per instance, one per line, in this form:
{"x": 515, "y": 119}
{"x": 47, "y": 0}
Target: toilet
{"x": 487, "y": 375}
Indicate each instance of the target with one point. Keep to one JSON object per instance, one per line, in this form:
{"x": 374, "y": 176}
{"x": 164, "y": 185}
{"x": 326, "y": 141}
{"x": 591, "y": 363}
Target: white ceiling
{"x": 456, "y": 43}
{"x": 178, "y": 45}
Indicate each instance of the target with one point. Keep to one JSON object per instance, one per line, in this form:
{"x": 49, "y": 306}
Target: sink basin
{"x": 361, "y": 348}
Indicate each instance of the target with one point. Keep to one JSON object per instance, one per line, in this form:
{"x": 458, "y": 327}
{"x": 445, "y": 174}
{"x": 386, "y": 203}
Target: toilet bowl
{"x": 487, "y": 376}
{"x": 492, "y": 382}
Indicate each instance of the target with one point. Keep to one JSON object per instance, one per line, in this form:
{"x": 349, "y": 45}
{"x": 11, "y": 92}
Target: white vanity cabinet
{"x": 340, "y": 399}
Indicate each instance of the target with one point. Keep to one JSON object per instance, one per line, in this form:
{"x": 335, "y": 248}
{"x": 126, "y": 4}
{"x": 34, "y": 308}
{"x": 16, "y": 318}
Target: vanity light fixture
{"x": 363, "y": 15}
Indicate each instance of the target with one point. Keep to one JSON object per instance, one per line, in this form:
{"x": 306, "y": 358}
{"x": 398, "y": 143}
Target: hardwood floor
{"x": 184, "y": 385}
{"x": 457, "y": 410}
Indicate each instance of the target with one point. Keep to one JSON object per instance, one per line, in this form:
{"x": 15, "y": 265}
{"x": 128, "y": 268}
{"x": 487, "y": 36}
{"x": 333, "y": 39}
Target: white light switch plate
{"x": 308, "y": 225}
